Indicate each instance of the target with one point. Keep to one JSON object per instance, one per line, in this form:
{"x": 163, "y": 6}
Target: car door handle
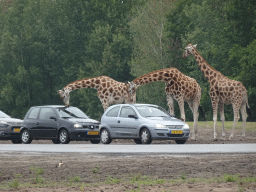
{"x": 118, "y": 121}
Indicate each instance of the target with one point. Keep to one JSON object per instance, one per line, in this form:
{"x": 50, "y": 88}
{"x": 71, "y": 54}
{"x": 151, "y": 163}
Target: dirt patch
{"x": 108, "y": 170}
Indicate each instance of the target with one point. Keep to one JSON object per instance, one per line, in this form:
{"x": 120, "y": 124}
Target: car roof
{"x": 53, "y": 106}
{"x": 135, "y": 104}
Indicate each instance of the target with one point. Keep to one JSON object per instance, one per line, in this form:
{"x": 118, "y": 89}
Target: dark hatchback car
{"x": 60, "y": 124}
{"x": 9, "y": 128}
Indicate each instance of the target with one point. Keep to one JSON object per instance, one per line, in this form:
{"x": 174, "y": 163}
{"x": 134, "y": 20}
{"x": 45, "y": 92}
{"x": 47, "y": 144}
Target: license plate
{"x": 93, "y": 132}
{"x": 16, "y": 130}
{"x": 177, "y": 132}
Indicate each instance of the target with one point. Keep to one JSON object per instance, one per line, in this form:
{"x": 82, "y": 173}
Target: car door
{"x": 127, "y": 126}
{"x": 47, "y": 127}
{"x": 32, "y": 121}
{"x": 111, "y": 119}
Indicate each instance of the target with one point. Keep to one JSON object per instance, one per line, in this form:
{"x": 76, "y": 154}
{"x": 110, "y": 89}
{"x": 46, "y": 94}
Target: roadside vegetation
{"x": 137, "y": 180}
{"x": 250, "y": 126}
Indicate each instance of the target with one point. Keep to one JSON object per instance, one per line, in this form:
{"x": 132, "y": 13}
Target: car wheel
{"x": 180, "y": 141}
{"x": 105, "y": 136}
{"x": 145, "y": 136}
{"x": 16, "y": 141}
{"x": 56, "y": 141}
{"x": 64, "y": 137}
{"x": 26, "y": 137}
{"x": 137, "y": 141}
{"x": 95, "y": 141}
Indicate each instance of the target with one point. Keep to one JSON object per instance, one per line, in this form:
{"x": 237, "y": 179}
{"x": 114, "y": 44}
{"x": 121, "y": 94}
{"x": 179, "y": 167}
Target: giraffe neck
{"x": 211, "y": 74}
{"x": 84, "y": 83}
{"x": 160, "y": 75}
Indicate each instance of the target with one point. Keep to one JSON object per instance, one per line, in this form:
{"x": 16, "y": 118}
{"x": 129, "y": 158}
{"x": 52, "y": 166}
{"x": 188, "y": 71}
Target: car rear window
{"x": 33, "y": 113}
{"x": 46, "y": 113}
{"x": 113, "y": 112}
{"x": 126, "y": 111}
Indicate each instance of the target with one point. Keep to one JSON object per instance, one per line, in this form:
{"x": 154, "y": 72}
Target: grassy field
{"x": 137, "y": 180}
{"x": 249, "y": 126}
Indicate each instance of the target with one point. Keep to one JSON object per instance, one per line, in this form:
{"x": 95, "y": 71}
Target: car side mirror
{"x": 133, "y": 116}
{"x": 52, "y": 117}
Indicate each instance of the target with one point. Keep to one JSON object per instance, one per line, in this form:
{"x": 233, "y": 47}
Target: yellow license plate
{"x": 177, "y": 132}
{"x": 93, "y": 132}
{"x": 16, "y": 130}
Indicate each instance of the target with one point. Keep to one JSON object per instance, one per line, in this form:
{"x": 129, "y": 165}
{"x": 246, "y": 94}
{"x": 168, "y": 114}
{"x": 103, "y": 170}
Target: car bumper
{"x": 9, "y": 135}
{"x": 84, "y": 135}
{"x": 164, "y": 134}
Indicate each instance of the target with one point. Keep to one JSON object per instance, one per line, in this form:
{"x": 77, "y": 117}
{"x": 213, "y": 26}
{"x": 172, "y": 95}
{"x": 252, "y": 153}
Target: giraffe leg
{"x": 236, "y": 118}
{"x": 222, "y": 118}
{"x": 215, "y": 111}
{"x": 244, "y": 117}
{"x": 194, "y": 108}
{"x": 104, "y": 104}
{"x": 182, "y": 111}
{"x": 170, "y": 104}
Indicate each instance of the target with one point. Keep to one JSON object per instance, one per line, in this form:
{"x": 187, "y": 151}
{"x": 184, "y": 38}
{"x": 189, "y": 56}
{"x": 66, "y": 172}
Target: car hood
{"x": 80, "y": 120}
{"x": 10, "y": 120}
{"x": 165, "y": 120}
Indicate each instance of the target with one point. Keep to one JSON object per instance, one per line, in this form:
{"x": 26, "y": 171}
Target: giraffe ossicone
{"x": 222, "y": 91}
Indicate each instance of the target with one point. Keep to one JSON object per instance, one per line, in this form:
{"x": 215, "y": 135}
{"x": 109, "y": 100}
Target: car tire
{"x": 180, "y": 141}
{"x": 16, "y": 141}
{"x": 105, "y": 136}
{"x": 26, "y": 137}
{"x": 145, "y": 136}
{"x": 64, "y": 137}
{"x": 95, "y": 141}
{"x": 56, "y": 141}
{"x": 137, "y": 141}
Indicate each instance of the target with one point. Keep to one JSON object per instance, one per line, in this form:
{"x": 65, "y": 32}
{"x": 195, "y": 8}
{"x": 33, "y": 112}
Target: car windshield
{"x": 152, "y": 111}
{"x": 68, "y": 112}
{"x": 3, "y": 115}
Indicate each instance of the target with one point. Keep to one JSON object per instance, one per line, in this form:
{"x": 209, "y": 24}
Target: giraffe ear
{"x": 195, "y": 45}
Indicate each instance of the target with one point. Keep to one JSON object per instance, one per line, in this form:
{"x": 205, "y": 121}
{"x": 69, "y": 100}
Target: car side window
{"x": 34, "y": 113}
{"x": 46, "y": 113}
{"x": 113, "y": 112}
{"x": 125, "y": 111}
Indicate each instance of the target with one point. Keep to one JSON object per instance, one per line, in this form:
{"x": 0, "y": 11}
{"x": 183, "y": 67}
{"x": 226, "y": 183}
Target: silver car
{"x": 10, "y": 128}
{"x": 141, "y": 122}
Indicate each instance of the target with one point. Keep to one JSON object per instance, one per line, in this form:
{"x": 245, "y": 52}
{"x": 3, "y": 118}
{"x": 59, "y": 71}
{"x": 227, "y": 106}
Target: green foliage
{"x": 14, "y": 184}
{"x": 95, "y": 170}
{"x": 230, "y": 178}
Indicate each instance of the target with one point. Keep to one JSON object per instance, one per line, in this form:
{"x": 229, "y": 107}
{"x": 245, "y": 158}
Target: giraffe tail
{"x": 202, "y": 112}
{"x": 249, "y": 111}
{"x": 248, "y": 108}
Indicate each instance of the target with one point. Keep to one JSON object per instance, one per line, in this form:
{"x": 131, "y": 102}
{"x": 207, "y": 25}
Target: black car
{"x": 60, "y": 124}
{"x": 9, "y": 128}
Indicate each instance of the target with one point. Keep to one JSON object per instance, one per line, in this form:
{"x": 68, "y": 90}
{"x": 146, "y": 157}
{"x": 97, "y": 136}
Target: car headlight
{"x": 160, "y": 126}
{"x": 185, "y": 126}
{"x": 77, "y": 126}
{"x": 4, "y": 125}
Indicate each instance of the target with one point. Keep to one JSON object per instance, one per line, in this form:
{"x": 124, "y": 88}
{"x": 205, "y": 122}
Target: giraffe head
{"x": 189, "y": 49}
{"x": 131, "y": 89}
{"x": 64, "y": 95}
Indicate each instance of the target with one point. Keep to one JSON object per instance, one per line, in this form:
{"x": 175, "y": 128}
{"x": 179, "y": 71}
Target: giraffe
{"x": 179, "y": 87}
{"x": 222, "y": 91}
{"x": 109, "y": 90}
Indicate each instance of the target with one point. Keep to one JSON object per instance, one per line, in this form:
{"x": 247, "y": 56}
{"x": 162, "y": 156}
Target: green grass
{"x": 137, "y": 180}
{"x": 249, "y": 126}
